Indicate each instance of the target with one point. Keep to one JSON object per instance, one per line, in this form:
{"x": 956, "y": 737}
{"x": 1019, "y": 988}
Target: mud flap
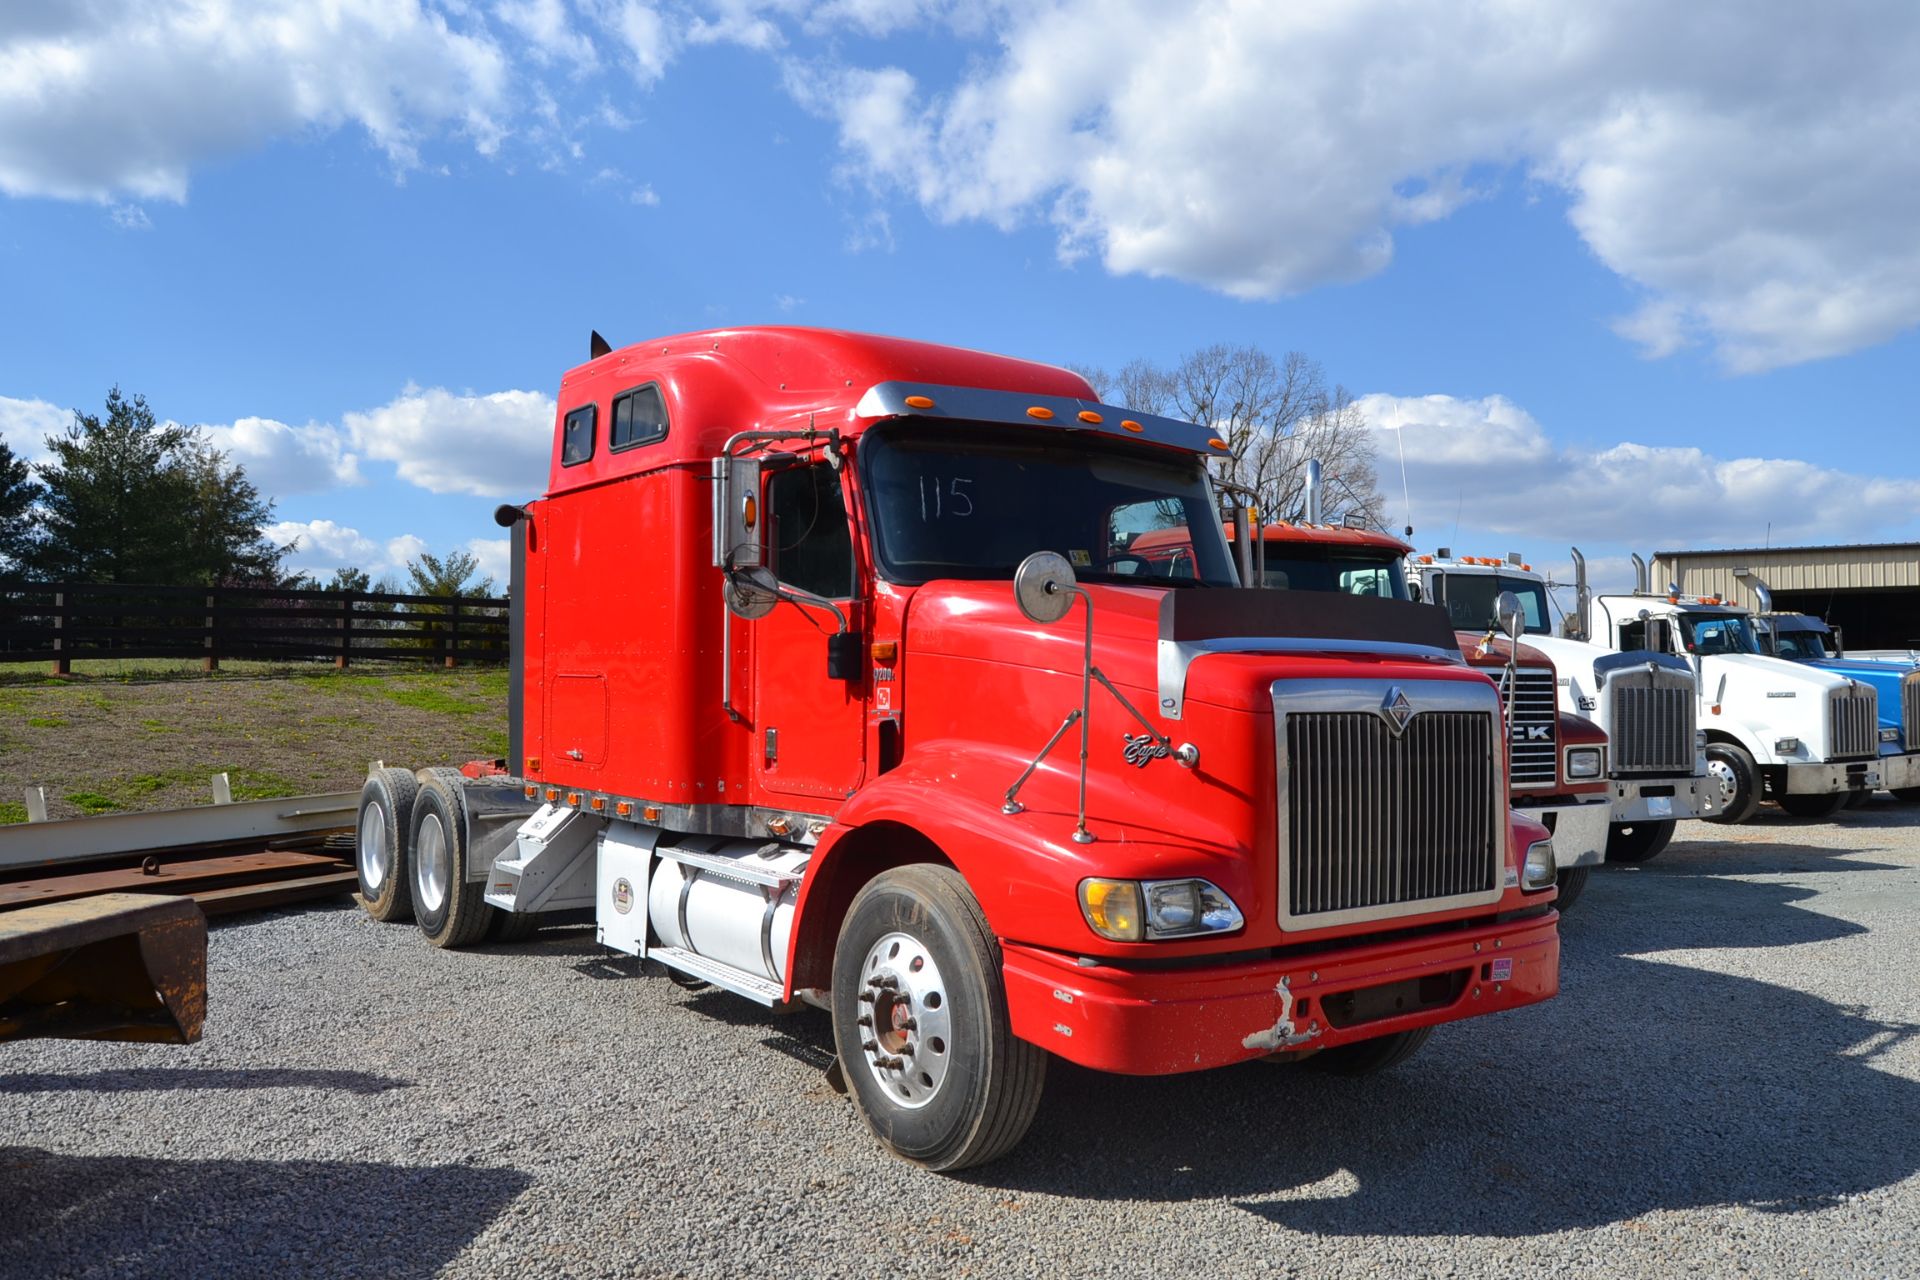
{"x": 115, "y": 966}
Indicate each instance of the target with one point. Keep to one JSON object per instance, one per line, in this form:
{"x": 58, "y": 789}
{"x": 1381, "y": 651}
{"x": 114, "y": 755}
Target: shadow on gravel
{"x": 166, "y": 1078}
{"x": 86, "y": 1216}
{"x": 1646, "y": 1085}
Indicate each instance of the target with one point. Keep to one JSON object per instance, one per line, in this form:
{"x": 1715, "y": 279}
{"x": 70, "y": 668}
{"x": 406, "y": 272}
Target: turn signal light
{"x": 1112, "y": 908}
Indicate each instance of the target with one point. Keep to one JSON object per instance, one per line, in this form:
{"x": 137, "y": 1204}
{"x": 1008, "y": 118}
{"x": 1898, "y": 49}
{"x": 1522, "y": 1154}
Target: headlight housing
{"x": 1786, "y": 746}
{"x": 1539, "y": 871}
{"x": 1890, "y": 734}
{"x": 1583, "y": 762}
{"x": 1133, "y": 910}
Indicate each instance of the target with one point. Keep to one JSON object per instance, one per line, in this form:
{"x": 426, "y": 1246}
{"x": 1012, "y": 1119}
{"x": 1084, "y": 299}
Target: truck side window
{"x": 576, "y": 436}
{"x": 639, "y": 417}
{"x": 812, "y": 543}
{"x": 1633, "y": 636}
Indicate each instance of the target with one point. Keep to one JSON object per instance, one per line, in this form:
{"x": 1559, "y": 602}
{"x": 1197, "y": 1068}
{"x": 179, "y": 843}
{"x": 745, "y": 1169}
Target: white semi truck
{"x": 1657, "y": 767}
{"x": 1803, "y": 738}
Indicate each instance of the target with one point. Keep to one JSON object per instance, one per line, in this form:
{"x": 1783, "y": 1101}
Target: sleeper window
{"x": 639, "y": 417}
{"x": 576, "y": 436}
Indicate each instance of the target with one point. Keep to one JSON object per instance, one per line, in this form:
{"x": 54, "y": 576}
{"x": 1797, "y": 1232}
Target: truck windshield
{"x": 1717, "y": 633}
{"x": 1293, "y": 567}
{"x": 974, "y": 503}
{"x": 1801, "y": 645}
{"x": 1471, "y": 597}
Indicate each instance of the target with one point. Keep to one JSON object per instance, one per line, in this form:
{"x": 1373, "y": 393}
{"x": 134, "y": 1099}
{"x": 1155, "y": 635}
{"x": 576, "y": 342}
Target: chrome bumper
{"x": 1579, "y": 830}
{"x": 1822, "y": 778}
{"x": 1900, "y": 770}
{"x": 1688, "y": 798}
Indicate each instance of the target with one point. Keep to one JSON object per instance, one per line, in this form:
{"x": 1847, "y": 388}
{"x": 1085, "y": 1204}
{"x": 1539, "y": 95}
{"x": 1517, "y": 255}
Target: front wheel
{"x": 1815, "y": 806}
{"x": 1732, "y": 770}
{"x": 1573, "y": 882}
{"x": 1369, "y": 1057}
{"x": 920, "y": 1023}
{"x": 1638, "y": 841}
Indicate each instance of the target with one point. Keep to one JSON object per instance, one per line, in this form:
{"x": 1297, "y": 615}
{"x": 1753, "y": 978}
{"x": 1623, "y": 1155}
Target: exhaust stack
{"x": 1642, "y": 580}
{"x": 1313, "y": 491}
{"x": 1575, "y": 627}
{"x": 1761, "y": 596}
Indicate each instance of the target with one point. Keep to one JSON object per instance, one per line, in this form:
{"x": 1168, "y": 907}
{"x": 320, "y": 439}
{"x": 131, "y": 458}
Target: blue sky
{"x": 1639, "y": 280}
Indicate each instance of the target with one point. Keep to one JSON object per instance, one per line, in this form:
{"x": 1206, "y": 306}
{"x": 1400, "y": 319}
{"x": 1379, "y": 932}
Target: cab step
{"x": 725, "y": 976}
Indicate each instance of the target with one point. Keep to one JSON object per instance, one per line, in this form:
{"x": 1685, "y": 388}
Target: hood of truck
{"x": 980, "y": 621}
{"x": 1772, "y": 697}
{"x": 1885, "y": 677}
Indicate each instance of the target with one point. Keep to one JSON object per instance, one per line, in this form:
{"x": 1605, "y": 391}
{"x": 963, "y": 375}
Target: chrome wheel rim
{"x": 376, "y": 859}
{"x": 1721, "y": 772}
{"x": 433, "y": 863}
{"x": 905, "y": 1024}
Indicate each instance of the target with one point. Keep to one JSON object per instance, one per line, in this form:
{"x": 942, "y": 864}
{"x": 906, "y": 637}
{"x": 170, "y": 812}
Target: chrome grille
{"x": 1910, "y": 711}
{"x": 1653, "y": 721}
{"x": 1533, "y": 720}
{"x": 1376, "y": 819}
{"x": 1852, "y": 720}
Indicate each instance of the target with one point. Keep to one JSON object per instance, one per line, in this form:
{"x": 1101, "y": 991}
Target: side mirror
{"x": 1043, "y": 586}
{"x": 751, "y": 593}
{"x": 1513, "y": 618}
{"x": 736, "y": 514}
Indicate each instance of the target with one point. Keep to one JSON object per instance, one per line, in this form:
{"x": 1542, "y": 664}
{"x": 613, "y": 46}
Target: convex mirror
{"x": 1043, "y": 586}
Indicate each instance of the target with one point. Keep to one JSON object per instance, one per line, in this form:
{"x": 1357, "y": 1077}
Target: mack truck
{"x": 1800, "y": 637}
{"x": 1556, "y": 760}
{"x": 834, "y": 683}
{"x": 1657, "y": 768}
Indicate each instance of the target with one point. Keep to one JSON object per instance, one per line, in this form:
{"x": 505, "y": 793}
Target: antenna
{"x": 1406, "y": 494}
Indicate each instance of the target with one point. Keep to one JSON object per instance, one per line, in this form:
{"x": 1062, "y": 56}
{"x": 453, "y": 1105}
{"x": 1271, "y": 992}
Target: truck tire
{"x": 450, "y": 911}
{"x": 920, "y": 1023}
{"x": 1815, "y": 806}
{"x": 1733, "y": 771}
{"x": 380, "y": 844}
{"x": 1370, "y": 1057}
{"x": 1638, "y": 841}
{"x": 1908, "y": 795}
{"x": 1573, "y": 882}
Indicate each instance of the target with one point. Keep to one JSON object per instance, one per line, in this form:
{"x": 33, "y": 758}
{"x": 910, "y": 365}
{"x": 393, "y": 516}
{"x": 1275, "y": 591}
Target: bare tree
{"x": 1274, "y": 416}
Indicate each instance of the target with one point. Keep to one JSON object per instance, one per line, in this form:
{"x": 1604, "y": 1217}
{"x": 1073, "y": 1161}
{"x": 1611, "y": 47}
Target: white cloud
{"x": 1492, "y": 461}
{"x": 495, "y": 445}
{"x": 99, "y": 100}
{"x": 131, "y": 217}
{"x": 787, "y": 302}
{"x": 643, "y": 195}
{"x": 282, "y": 459}
{"x": 324, "y": 545}
{"x": 495, "y": 557}
{"x": 548, "y": 31}
{"x": 26, "y": 424}
{"x": 1747, "y": 165}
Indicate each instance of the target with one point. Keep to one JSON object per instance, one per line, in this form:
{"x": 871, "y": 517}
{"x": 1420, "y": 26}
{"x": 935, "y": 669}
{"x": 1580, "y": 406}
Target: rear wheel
{"x": 920, "y": 1022}
{"x": 1815, "y": 806}
{"x": 451, "y": 911}
{"x": 380, "y": 844}
{"x": 1732, "y": 770}
{"x": 1573, "y": 882}
{"x": 1638, "y": 841}
{"x": 1368, "y": 1057}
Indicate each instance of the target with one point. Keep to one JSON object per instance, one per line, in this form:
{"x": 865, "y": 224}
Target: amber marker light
{"x": 1088, "y": 415}
{"x": 1131, "y": 425}
{"x": 750, "y": 509}
{"x": 1217, "y": 443}
{"x": 573, "y": 798}
{"x": 1040, "y": 411}
{"x": 651, "y": 813}
{"x": 884, "y": 650}
{"x": 532, "y": 793}
{"x": 624, "y": 809}
{"x": 597, "y": 803}
{"x": 1112, "y": 908}
{"x": 920, "y": 402}
{"x": 553, "y": 793}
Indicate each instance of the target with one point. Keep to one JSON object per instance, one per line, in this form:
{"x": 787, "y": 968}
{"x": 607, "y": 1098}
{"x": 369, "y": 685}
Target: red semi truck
{"x": 836, "y": 682}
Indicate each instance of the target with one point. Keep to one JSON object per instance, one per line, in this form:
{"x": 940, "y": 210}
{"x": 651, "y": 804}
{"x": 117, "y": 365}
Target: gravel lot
{"x": 1729, "y": 1082}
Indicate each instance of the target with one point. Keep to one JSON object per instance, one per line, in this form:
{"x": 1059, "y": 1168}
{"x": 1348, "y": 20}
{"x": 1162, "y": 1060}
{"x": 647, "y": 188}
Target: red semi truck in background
{"x": 1556, "y": 761}
{"x": 798, "y": 711}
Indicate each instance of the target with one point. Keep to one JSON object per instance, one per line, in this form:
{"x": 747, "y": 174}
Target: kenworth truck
{"x": 1556, "y": 761}
{"x": 1800, "y": 637}
{"x": 835, "y": 682}
{"x": 1657, "y": 769}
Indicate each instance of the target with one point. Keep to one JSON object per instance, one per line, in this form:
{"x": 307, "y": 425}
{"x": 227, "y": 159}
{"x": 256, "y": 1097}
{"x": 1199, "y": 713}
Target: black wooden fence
{"x": 59, "y": 622}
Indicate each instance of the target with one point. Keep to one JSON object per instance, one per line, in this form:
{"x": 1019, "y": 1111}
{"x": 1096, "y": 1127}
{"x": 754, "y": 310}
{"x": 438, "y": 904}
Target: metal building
{"x": 1870, "y": 591}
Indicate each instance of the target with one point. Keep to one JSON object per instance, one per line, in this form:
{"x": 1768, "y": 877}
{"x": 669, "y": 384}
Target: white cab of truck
{"x": 1656, "y": 759}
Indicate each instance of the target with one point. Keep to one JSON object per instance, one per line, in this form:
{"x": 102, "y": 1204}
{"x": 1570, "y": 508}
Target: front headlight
{"x": 1890, "y": 735}
{"x": 1583, "y": 762}
{"x": 1539, "y": 871}
{"x": 1129, "y": 910}
{"x": 1786, "y": 746}
{"x": 1699, "y": 740}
